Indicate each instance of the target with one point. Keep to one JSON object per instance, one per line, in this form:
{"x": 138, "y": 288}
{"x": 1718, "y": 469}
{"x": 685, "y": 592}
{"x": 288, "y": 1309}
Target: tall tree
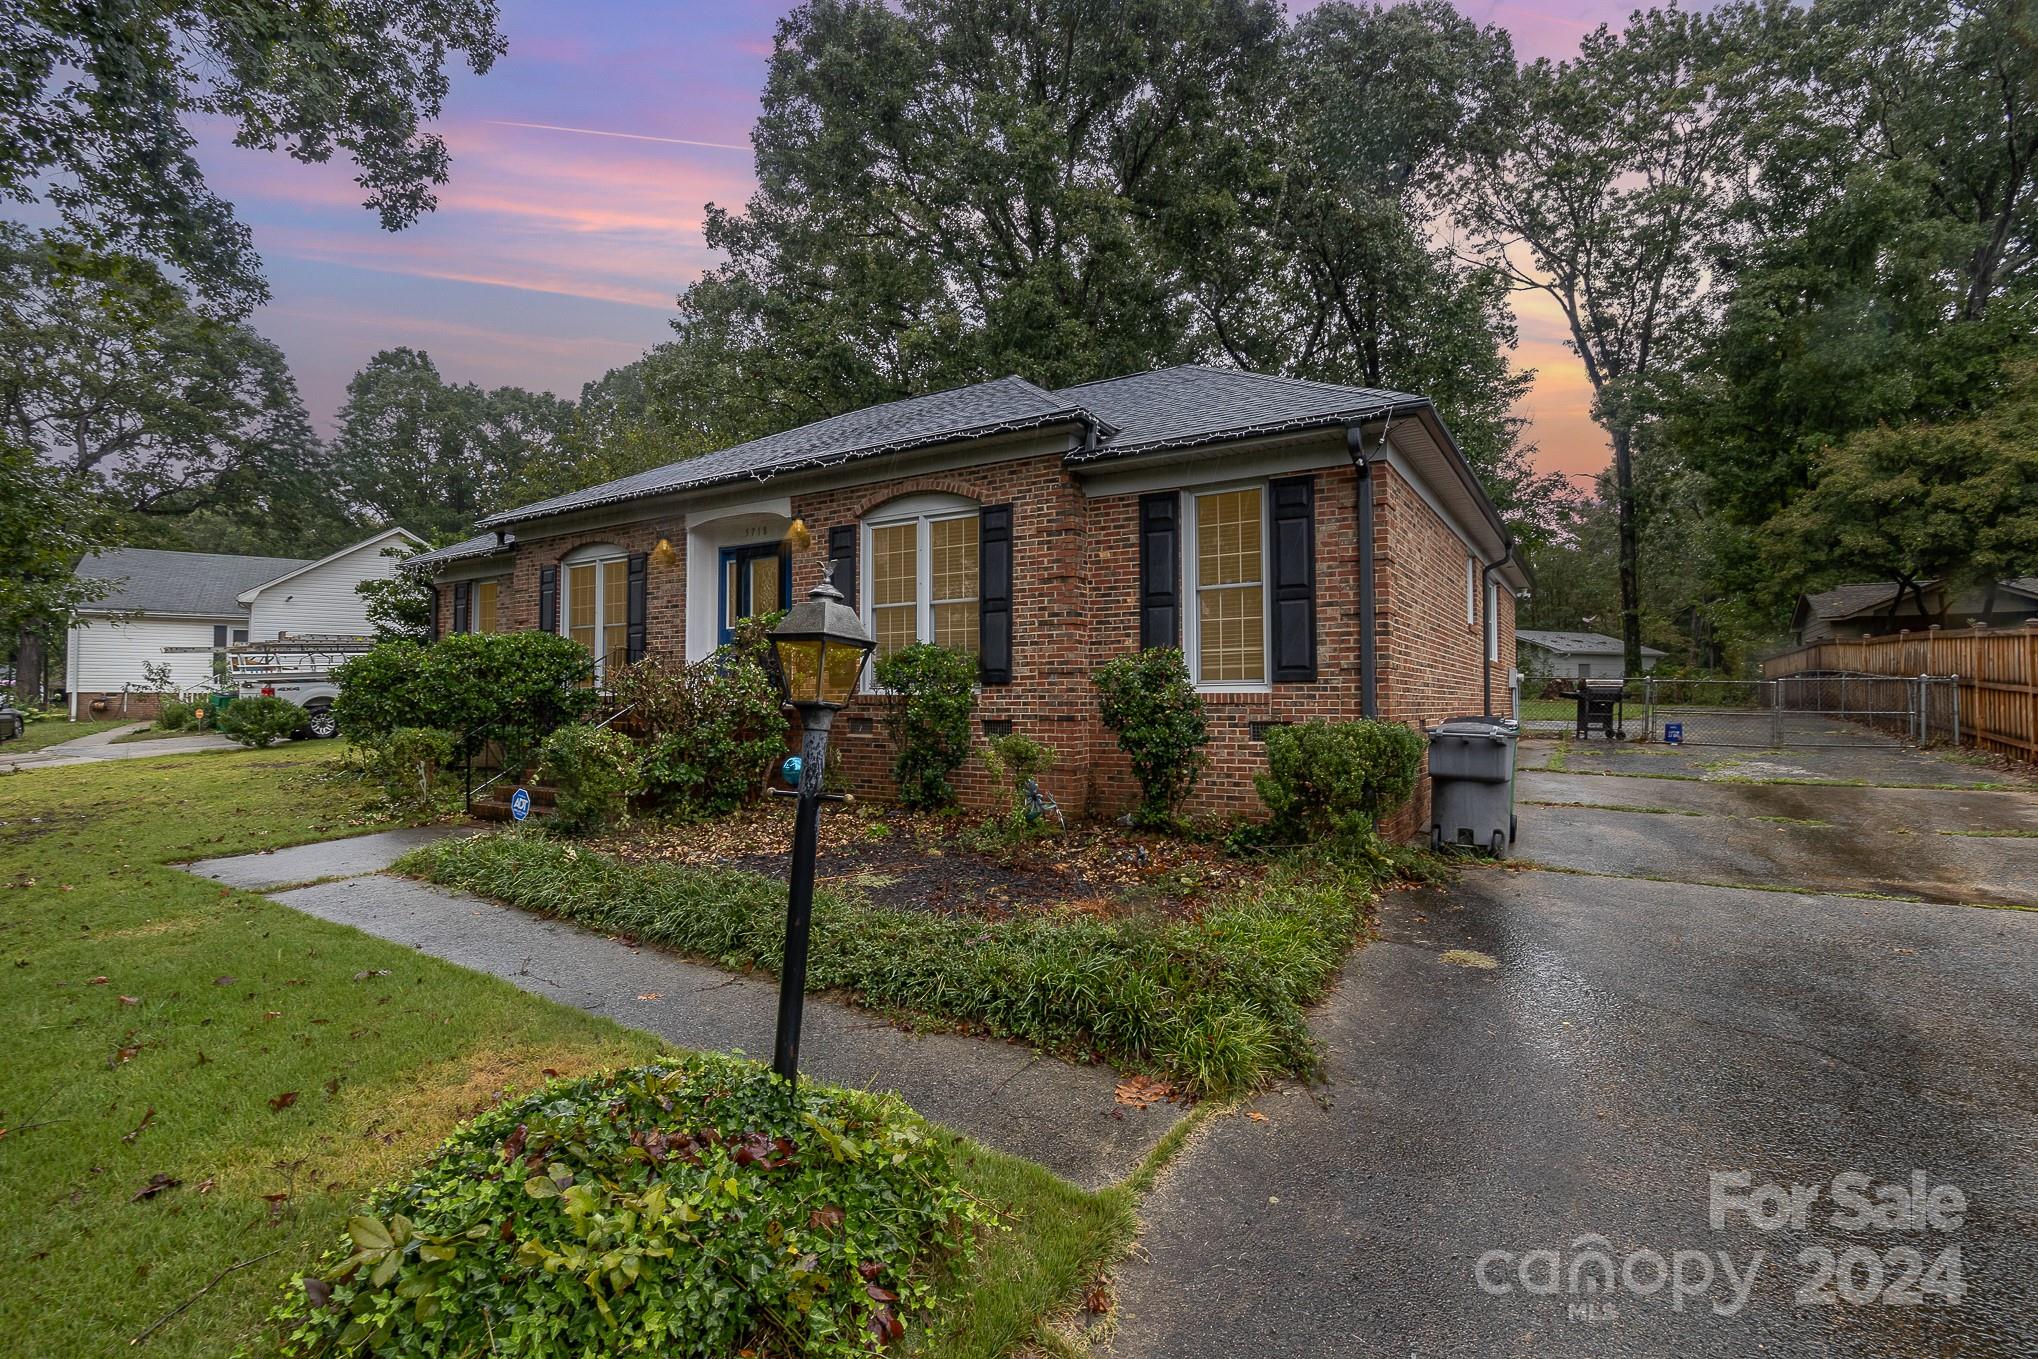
{"x": 118, "y": 380}
{"x": 1611, "y": 196}
{"x": 954, "y": 189}
{"x": 1329, "y": 271}
{"x": 97, "y": 102}
{"x": 629, "y": 420}
{"x": 48, "y": 520}
{"x": 432, "y": 456}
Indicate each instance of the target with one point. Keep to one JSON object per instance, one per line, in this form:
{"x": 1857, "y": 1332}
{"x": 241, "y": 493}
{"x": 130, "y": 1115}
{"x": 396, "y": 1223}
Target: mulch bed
{"x": 930, "y": 863}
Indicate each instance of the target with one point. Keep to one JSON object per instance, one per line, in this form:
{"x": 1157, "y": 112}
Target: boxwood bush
{"x": 699, "y": 1209}
{"x": 594, "y": 772}
{"x": 1216, "y": 1002}
{"x": 261, "y": 721}
{"x": 1333, "y": 782}
{"x": 511, "y": 682}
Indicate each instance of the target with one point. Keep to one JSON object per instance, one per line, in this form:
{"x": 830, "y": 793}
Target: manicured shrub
{"x": 1333, "y": 782}
{"x": 1151, "y": 705}
{"x": 406, "y": 762}
{"x": 593, "y": 772}
{"x": 509, "y": 684}
{"x": 930, "y": 692}
{"x": 174, "y": 715}
{"x": 1216, "y": 1002}
{"x": 261, "y": 721}
{"x": 702, "y": 1209}
{"x": 720, "y": 726}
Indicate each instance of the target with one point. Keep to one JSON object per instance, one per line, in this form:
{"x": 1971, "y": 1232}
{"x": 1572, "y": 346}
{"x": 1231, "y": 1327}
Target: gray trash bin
{"x": 1471, "y": 778}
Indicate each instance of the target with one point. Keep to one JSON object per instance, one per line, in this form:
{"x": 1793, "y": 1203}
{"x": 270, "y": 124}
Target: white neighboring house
{"x": 182, "y": 608}
{"x": 1575, "y": 655}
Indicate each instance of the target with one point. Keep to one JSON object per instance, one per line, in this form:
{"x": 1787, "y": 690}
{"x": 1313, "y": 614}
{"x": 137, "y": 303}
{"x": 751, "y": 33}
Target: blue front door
{"x": 754, "y": 580}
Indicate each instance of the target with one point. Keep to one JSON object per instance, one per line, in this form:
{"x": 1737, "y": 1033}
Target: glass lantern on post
{"x": 820, "y": 649}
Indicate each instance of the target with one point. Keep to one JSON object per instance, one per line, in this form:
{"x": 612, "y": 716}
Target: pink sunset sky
{"x": 559, "y": 244}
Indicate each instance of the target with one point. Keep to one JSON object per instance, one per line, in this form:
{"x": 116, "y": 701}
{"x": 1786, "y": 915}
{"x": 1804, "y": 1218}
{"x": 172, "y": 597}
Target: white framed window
{"x": 594, "y": 603}
{"x": 920, "y": 581}
{"x": 1471, "y": 591}
{"x": 1225, "y": 626}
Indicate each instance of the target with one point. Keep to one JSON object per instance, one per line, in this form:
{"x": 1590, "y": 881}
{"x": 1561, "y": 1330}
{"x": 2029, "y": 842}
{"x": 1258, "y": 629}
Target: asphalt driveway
{"x": 1534, "y": 1071}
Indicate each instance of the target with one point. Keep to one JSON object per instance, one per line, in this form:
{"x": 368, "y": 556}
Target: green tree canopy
{"x": 98, "y": 100}
{"x": 432, "y": 456}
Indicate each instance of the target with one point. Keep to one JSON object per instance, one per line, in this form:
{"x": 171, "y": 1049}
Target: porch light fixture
{"x": 820, "y": 648}
{"x": 664, "y": 556}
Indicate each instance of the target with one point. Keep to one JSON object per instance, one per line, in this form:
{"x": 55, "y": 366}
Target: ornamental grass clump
{"x": 1215, "y": 1002}
{"x": 701, "y": 1209}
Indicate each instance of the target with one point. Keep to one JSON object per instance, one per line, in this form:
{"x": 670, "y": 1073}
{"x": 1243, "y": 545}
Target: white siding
{"x": 322, "y": 600}
{"x": 104, "y": 655}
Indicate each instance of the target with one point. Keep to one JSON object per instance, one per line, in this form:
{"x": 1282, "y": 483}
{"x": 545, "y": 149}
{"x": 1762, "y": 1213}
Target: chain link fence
{"x": 1836, "y": 709}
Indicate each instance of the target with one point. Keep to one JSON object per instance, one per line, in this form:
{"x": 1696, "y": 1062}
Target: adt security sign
{"x": 520, "y": 803}
{"x": 1673, "y": 733}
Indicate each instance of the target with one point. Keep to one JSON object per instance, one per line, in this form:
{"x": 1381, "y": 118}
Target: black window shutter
{"x": 994, "y": 593}
{"x": 463, "y": 606}
{"x": 639, "y": 613}
{"x": 842, "y": 556}
{"x": 1160, "y": 570}
{"x": 435, "y": 611}
{"x": 548, "y": 599}
{"x": 1294, "y": 578}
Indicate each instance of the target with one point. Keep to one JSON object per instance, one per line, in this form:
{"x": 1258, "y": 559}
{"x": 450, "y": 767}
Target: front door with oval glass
{"x": 754, "y": 580}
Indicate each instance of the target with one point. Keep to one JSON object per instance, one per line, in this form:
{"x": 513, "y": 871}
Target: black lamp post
{"x": 821, "y": 648}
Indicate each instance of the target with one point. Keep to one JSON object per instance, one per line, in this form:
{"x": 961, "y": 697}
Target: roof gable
{"x": 191, "y": 584}
{"x": 385, "y": 537}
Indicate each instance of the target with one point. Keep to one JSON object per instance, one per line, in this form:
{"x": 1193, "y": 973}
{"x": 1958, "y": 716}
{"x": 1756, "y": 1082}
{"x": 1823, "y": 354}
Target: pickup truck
{"x": 298, "y": 669}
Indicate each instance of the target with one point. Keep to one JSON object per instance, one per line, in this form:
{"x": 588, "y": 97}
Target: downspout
{"x": 1489, "y": 627}
{"x": 1369, "y": 659}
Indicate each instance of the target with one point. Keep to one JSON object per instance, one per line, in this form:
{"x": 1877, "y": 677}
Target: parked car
{"x": 13, "y": 722}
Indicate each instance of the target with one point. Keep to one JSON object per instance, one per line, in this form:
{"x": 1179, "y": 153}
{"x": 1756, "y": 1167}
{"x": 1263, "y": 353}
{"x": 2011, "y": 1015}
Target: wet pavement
{"x": 1872, "y": 760}
{"x": 1530, "y": 1072}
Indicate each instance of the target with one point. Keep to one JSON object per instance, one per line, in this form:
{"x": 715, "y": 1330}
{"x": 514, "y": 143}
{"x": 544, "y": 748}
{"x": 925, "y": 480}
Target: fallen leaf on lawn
{"x": 1256, "y": 1116}
{"x": 371, "y": 972}
{"x": 141, "y": 1127}
{"x": 652, "y": 995}
{"x": 156, "y": 1185}
{"x": 122, "y": 1055}
{"x": 96, "y": 981}
{"x": 825, "y": 1218}
{"x": 272, "y": 1014}
{"x": 283, "y": 1101}
{"x": 130, "y": 1000}
{"x": 206, "y": 1185}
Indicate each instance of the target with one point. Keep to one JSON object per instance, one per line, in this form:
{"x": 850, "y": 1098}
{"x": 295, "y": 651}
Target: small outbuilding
{"x": 1576, "y": 655}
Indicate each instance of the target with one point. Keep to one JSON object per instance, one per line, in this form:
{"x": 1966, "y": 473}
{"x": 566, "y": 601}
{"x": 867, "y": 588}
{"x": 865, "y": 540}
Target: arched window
{"x": 594, "y": 603}
{"x": 920, "y": 573}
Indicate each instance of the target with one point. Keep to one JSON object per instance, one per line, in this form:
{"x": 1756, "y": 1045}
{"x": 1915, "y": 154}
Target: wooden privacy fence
{"x": 1997, "y": 669}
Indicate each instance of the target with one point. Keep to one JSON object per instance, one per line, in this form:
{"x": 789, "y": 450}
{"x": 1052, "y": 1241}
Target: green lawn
{"x": 52, "y": 731}
{"x": 276, "y": 1067}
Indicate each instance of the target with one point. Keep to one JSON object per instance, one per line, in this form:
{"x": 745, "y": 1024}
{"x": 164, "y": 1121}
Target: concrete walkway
{"x": 1062, "y": 1116}
{"x": 100, "y": 746}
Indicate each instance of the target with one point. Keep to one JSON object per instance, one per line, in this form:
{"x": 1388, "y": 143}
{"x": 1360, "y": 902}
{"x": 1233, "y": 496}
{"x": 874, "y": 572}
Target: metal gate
{"x": 1826, "y": 709}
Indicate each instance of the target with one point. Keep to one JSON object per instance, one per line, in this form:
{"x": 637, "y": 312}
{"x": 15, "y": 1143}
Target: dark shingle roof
{"x": 1175, "y": 407}
{"x": 1844, "y": 601}
{"x": 986, "y": 408}
{"x": 198, "y": 583}
{"x": 481, "y": 545}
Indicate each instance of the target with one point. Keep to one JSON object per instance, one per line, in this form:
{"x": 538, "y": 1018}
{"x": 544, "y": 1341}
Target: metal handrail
{"x": 490, "y": 731}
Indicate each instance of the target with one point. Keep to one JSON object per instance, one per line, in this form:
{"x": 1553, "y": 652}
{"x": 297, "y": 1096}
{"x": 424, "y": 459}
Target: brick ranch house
{"x": 1048, "y": 531}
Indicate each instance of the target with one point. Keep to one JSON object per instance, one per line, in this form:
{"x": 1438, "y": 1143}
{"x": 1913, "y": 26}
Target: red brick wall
{"x": 1075, "y": 572}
